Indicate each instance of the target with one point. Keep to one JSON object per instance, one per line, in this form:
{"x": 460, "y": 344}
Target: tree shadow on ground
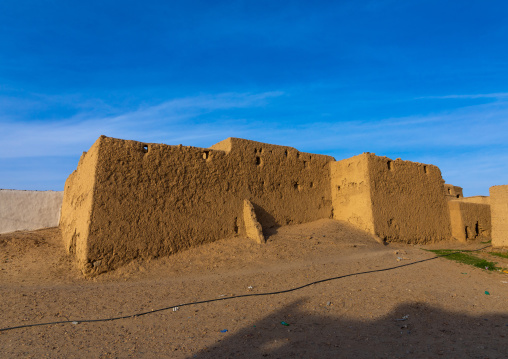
{"x": 411, "y": 330}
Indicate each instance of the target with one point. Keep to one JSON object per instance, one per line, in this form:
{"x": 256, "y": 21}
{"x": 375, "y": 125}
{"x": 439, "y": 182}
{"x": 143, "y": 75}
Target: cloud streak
{"x": 467, "y": 143}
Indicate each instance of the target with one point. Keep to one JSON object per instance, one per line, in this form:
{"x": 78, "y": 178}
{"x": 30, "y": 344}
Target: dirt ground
{"x": 435, "y": 308}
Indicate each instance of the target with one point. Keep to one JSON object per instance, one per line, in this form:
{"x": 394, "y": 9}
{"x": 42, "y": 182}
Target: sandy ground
{"x": 445, "y": 308}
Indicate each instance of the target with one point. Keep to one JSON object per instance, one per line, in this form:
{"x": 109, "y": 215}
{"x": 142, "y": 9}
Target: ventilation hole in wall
{"x": 255, "y": 150}
{"x": 476, "y": 229}
{"x": 286, "y": 153}
{"x": 311, "y": 184}
{"x": 466, "y": 230}
{"x": 260, "y": 150}
{"x": 258, "y": 160}
{"x": 458, "y": 196}
{"x": 145, "y": 148}
{"x": 338, "y": 188}
{"x": 205, "y": 155}
{"x": 235, "y": 225}
{"x": 310, "y": 158}
{"x": 298, "y": 155}
{"x": 305, "y": 164}
{"x": 297, "y": 186}
{"x": 449, "y": 191}
{"x": 425, "y": 169}
{"x": 389, "y": 165}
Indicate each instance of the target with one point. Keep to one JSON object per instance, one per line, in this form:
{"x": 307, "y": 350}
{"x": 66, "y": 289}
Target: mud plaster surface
{"x": 449, "y": 314}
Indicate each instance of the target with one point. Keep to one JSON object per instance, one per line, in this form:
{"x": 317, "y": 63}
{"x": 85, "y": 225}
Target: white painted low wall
{"x": 28, "y": 210}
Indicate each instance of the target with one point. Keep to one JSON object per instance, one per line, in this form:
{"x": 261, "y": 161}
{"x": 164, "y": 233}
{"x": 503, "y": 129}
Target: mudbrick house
{"x": 129, "y": 199}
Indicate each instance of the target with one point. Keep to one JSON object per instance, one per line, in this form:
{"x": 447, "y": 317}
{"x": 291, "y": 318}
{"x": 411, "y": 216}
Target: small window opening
{"x": 389, "y": 165}
{"x": 338, "y": 188}
{"x": 205, "y": 155}
{"x": 145, "y": 148}
{"x": 425, "y": 169}
{"x": 298, "y": 155}
{"x": 305, "y": 164}
{"x": 311, "y": 184}
{"x": 467, "y": 234}
{"x": 286, "y": 153}
{"x": 458, "y": 196}
{"x": 258, "y": 160}
{"x": 449, "y": 191}
{"x": 477, "y": 229}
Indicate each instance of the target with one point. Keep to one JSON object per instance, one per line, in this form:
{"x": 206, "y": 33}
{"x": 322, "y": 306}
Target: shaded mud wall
{"x": 469, "y": 220}
{"x": 499, "y": 213}
{"x": 152, "y": 200}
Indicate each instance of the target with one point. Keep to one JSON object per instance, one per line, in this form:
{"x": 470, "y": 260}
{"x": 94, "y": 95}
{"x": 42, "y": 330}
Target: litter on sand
{"x": 486, "y": 292}
{"x": 284, "y": 323}
{"x": 224, "y": 331}
{"x": 403, "y": 318}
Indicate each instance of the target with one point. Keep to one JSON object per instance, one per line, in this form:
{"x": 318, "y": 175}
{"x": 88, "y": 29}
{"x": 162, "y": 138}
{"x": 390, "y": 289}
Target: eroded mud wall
{"x": 499, "y": 213}
{"x": 152, "y": 200}
{"x": 77, "y": 204}
{"x": 408, "y": 202}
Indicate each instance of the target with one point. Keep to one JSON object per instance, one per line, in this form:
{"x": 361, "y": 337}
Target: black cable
{"x": 233, "y": 297}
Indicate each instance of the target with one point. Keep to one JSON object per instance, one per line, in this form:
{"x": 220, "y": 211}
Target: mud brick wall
{"x": 469, "y": 220}
{"x": 395, "y": 200}
{"x": 129, "y": 199}
{"x": 499, "y": 213}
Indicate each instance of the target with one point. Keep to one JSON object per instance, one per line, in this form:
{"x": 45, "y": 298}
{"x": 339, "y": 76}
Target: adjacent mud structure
{"x": 499, "y": 203}
{"x": 129, "y": 199}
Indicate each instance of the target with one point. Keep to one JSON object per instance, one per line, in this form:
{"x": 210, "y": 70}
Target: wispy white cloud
{"x": 468, "y": 143}
{"x": 495, "y": 95}
{"x": 165, "y": 122}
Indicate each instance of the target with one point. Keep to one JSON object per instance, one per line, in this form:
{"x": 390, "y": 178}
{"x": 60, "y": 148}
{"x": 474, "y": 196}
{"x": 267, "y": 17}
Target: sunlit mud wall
{"x": 351, "y": 192}
{"x": 129, "y": 199}
{"x": 499, "y": 213}
{"x": 395, "y": 200}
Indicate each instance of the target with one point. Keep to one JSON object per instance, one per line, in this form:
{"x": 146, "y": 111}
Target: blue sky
{"x": 425, "y": 81}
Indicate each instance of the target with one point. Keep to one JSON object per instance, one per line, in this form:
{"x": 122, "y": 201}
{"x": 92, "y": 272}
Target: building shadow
{"x": 411, "y": 330}
{"x": 267, "y": 221}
